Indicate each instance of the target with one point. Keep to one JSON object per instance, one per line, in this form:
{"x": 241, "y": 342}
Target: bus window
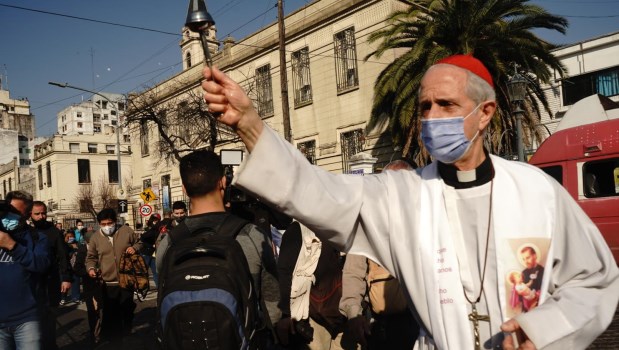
{"x": 601, "y": 178}
{"x": 556, "y": 171}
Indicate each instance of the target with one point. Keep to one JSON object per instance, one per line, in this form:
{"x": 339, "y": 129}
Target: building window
{"x": 83, "y": 171}
{"x": 106, "y": 117}
{"x": 352, "y": 143}
{"x": 10, "y": 184}
{"x": 96, "y": 118}
{"x": 112, "y": 170}
{"x": 4, "y": 187}
{"x": 40, "y": 173}
{"x": 114, "y": 122}
{"x": 121, "y": 106}
{"x": 146, "y": 183}
{"x": 92, "y": 148}
{"x": 308, "y": 148}
{"x": 604, "y": 82}
{"x": 144, "y": 138}
{"x": 264, "y": 90}
{"x": 74, "y": 147}
{"x": 113, "y": 113}
{"x": 80, "y": 125}
{"x": 78, "y": 114}
{"x": 104, "y": 104}
{"x": 601, "y": 178}
{"x": 48, "y": 170}
{"x": 188, "y": 59}
{"x": 346, "y": 60}
{"x": 96, "y": 128}
{"x": 110, "y": 149}
{"x": 301, "y": 77}
{"x": 126, "y": 138}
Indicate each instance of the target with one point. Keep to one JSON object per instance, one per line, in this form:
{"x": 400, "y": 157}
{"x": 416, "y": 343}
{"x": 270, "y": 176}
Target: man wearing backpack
{"x": 105, "y": 249}
{"x": 204, "y": 183}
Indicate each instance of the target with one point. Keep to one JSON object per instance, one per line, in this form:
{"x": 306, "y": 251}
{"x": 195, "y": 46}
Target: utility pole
{"x": 282, "y": 69}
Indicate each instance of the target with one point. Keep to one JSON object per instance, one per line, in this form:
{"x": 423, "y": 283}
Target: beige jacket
{"x": 104, "y": 255}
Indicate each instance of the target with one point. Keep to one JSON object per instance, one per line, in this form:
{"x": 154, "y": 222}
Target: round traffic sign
{"x": 146, "y": 210}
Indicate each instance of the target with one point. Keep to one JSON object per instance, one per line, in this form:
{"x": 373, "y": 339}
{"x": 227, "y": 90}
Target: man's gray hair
{"x": 476, "y": 88}
{"x": 20, "y": 195}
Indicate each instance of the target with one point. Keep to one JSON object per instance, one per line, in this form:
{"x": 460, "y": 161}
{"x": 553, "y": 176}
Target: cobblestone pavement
{"x": 73, "y": 329}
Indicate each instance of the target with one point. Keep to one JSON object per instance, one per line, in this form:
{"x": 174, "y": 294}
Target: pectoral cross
{"x": 475, "y": 318}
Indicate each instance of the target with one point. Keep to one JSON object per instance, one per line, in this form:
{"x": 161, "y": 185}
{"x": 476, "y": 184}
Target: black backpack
{"x": 206, "y": 295}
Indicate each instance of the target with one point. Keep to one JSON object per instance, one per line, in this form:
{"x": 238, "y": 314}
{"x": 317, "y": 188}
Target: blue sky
{"x": 37, "y": 47}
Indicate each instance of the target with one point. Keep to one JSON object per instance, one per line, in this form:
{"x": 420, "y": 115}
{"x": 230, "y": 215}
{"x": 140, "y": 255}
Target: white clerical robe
{"x": 413, "y": 224}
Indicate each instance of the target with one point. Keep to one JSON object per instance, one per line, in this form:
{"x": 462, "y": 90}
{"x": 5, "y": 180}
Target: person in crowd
{"x": 58, "y": 226}
{"x": 179, "y": 212}
{"x": 310, "y": 277}
{"x": 373, "y": 300}
{"x": 58, "y": 278}
{"x": 72, "y": 296}
{"x": 102, "y": 261}
{"x": 92, "y": 292}
{"x": 79, "y": 227}
{"x": 447, "y": 230}
{"x": 203, "y": 180}
{"x": 24, "y": 257}
{"x": 149, "y": 239}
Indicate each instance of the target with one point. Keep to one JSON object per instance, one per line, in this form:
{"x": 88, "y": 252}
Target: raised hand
{"x": 227, "y": 100}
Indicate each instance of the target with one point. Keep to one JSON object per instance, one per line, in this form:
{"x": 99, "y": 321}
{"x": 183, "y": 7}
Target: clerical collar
{"x": 467, "y": 179}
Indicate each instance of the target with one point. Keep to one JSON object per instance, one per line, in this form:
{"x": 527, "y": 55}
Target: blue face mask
{"x": 71, "y": 240}
{"x": 444, "y": 138}
{"x": 10, "y": 221}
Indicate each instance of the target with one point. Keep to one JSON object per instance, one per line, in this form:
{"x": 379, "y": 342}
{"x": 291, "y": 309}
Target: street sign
{"x": 122, "y": 205}
{"x": 146, "y": 210}
{"x": 148, "y": 195}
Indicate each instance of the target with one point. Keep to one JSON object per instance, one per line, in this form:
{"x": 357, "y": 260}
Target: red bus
{"x": 583, "y": 155}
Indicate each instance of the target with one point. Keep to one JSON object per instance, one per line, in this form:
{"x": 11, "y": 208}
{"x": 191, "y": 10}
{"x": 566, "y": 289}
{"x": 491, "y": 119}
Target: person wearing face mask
{"x": 24, "y": 258}
{"x": 452, "y": 231}
{"x": 58, "y": 278}
{"x": 105, "y": 249}
{"x": 79, "y": 226}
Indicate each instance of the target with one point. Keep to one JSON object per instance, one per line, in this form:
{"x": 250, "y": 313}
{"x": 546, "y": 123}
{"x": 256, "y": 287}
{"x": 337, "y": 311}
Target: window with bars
{"x": 144, "y": 138}
{"x": 346, "y": 60}
{"x": 604, "y": 82}
{"x": 308, "y": 148}
{"x": 40, "y": 175}
{"x": 112, "y": 170}
{"x": 48, "y": 170}
{"x": 264, "y": 91}
{"x": 351, "y": 143}
{"x": 83, "y": 171}
{"x": 301, "y": 81}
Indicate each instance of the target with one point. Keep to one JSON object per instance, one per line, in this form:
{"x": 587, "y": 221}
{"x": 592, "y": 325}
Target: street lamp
{"x": 199, "y": 21}
{"x": 121, "y": 192}
{"x": 517, "y": 91}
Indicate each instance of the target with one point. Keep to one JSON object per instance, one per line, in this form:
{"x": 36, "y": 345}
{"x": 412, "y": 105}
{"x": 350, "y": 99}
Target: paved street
{"x": 73, "y": 329}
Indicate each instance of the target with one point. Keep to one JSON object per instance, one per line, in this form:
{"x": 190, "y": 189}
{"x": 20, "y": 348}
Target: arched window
{"x": 188, "y": 59}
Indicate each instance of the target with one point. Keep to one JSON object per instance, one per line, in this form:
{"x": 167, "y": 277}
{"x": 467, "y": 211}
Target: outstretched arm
{"x": 227, "y": 100}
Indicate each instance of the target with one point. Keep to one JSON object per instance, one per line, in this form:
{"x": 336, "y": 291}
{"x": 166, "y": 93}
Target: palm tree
{"x": 497, "y": 32}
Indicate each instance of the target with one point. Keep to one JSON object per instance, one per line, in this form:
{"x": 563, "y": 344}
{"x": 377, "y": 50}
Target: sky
{"x": 37, "y": 47}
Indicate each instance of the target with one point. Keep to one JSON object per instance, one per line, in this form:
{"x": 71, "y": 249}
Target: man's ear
{"x": 223, "y": 182}
{"x": 487, "y": 109}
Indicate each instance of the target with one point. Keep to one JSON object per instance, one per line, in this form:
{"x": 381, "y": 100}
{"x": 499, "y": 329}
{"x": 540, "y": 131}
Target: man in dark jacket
{"x": 24, "y": 255}
{"x": 57, "y": 280}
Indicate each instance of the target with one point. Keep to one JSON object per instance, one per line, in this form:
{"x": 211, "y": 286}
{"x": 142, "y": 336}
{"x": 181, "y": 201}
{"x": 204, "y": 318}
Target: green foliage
{"x": 497, "y": 32}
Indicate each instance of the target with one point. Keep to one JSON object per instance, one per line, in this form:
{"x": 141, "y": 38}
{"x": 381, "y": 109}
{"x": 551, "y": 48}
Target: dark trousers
{"x": 397, "y": 332}
{"x": 117, "y": 312}
{"x": 93, "y": 297}
{"x": 47, "y": 317}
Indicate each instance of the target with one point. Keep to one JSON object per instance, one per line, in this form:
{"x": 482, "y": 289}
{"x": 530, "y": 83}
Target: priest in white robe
{"x": 493, "y": 254}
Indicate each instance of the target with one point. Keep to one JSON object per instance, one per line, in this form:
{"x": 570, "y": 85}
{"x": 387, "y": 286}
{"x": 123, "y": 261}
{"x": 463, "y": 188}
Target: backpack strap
{"x": 231, "y": 226}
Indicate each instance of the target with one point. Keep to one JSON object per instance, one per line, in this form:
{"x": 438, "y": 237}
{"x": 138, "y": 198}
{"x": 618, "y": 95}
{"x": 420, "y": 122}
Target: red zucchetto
{"x": 471, "y": 64}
